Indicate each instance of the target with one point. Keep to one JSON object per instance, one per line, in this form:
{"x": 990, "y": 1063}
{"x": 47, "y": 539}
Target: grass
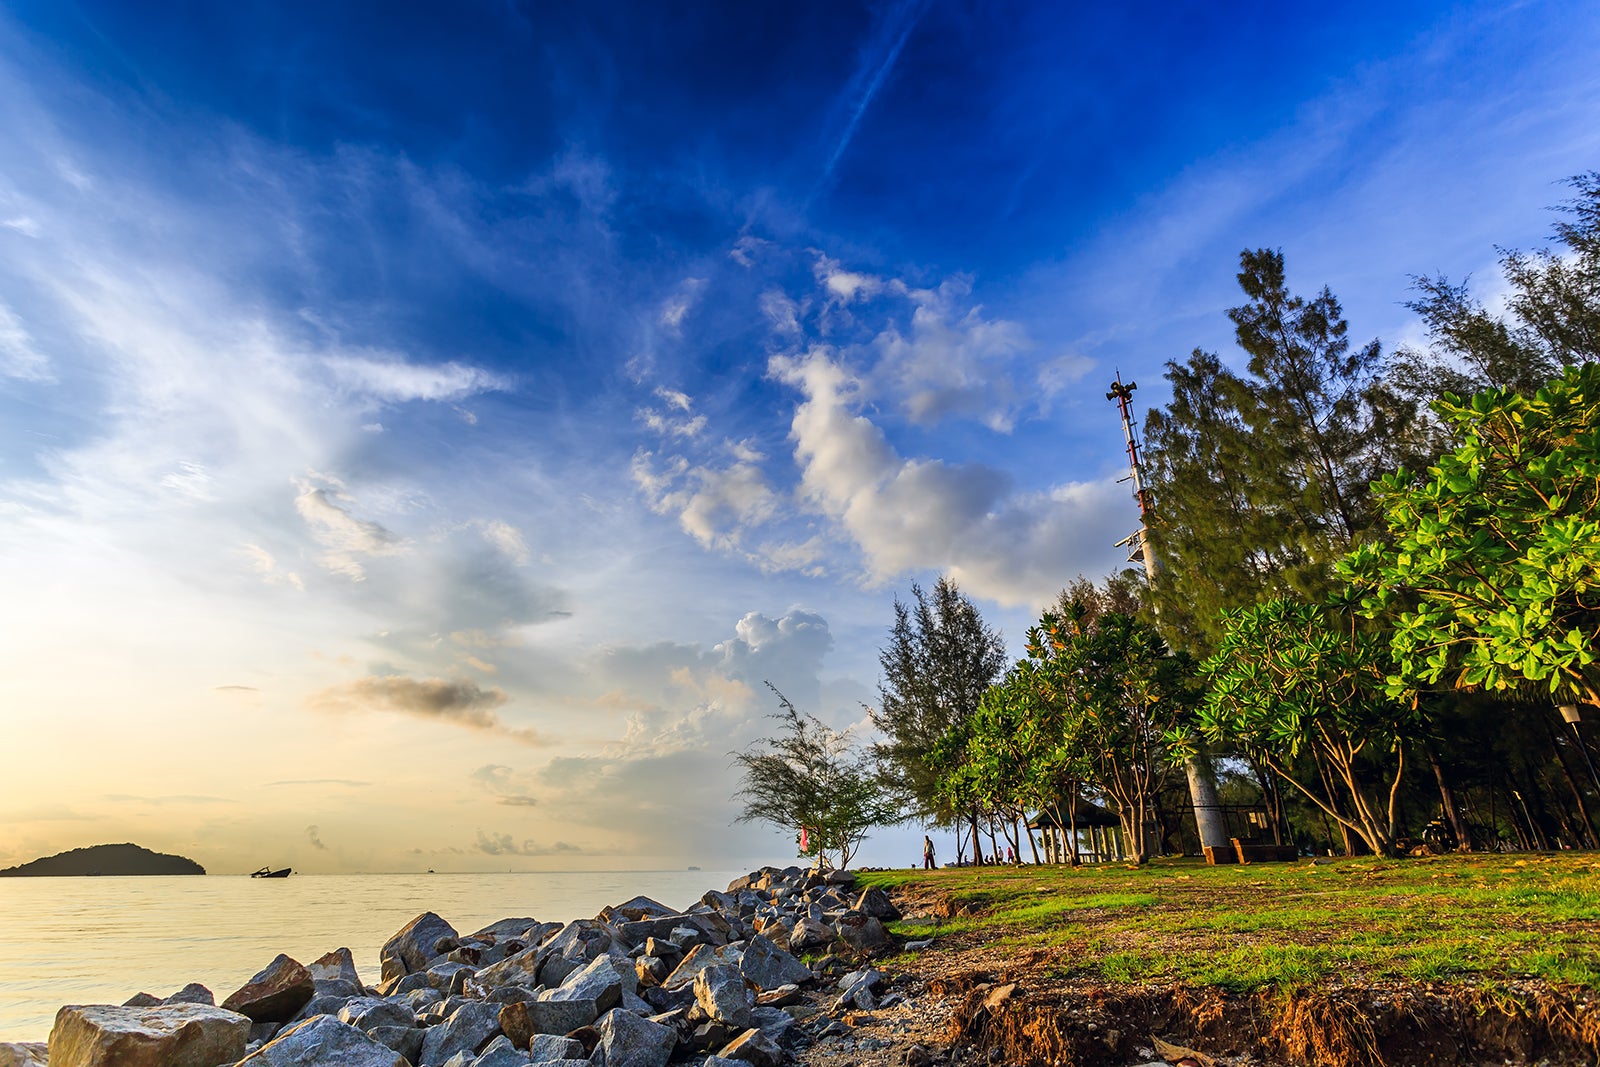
{"x": 1484, "y": 919}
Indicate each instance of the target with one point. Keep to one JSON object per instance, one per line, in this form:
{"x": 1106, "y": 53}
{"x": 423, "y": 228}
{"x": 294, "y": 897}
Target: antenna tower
{"x": 1138, "y": 542}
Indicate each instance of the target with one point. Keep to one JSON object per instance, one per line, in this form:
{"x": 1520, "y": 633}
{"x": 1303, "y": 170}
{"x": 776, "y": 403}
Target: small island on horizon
{"x": 123, "y": 859}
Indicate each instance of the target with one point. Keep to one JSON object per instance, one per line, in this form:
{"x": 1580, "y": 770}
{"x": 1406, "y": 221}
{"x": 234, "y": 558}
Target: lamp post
{"x": 1572, "y": 714}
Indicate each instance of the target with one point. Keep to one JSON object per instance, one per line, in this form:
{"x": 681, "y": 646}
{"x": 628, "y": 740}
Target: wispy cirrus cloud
{"x": 458, "y": 702}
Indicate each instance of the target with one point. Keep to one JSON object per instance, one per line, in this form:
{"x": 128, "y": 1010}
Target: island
{"x": 104, "y": 859}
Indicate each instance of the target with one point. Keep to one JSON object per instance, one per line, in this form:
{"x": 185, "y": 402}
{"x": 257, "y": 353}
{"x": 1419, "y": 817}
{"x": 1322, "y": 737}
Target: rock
{"x": 320, "y": 1005}
{"x": 917, "y": 1056}
{"x": 522, "y": 1020}
{"x": 261, "y": 1033}
{"x": 698, "y": 959}
{"x": 664, "y": 950}
{"x": 572, "y": 948}
{"x": 169, "y": 1035}
{"x": 406, "y": 1040}
{"x": 774, "y": 1022}
{"x": 626, "y": 1040}
{"x": 652, "y": 970}
{"x": 636, "y": 909}
{"x": 468, "y": 1029}
{"x": 367, "y": 1013}
{"x": 710, "y": 1035}
{"x": 336, "y": 966}
{"x": 142, "y": 1000}
{"x": 450, "y": 977}
{"x": 720, "y": 992}
{"x": 870, "y": 975}
{"x": 876, "y": 903}
{"x": 521, "y": 968}
{"x": 768, "y": 966}
{"x": 507, "y": 930}
{"x": 23, "y": 1053}
{"x": 321, "y": 1041}
{"x": 499, "y": 1053}
{"x": 599, "y": 981}
{"x": 407, "y": 984}
{"x": 276, "y": 992}
{"x": 919, "y": 946}
{"x": 781, "y": 997}
{"x": 809, "y": 933}
{"x": 840, "y": 878}
{"x": 753, "y": 1047}
{"x": 193, "y": 993}
{"x": 861, "y": 931}
{"x": 414, "y": 946}
{"x": 545, "y": 1047}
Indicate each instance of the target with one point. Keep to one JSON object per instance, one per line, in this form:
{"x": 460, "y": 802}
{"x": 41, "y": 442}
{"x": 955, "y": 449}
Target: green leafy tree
{"x": 1260, "y": 479}
{"x": 940, "y": 659}
{"x": 1491, "y": 576}
{"x": 1301, "y": 689}
{"x": 810, "y": 776}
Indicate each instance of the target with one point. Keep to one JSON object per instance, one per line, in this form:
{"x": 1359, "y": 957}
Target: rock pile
{"x": 639, "y": 985}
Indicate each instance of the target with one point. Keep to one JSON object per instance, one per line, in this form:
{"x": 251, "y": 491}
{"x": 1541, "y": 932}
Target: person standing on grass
{"x": 927, "y": 853}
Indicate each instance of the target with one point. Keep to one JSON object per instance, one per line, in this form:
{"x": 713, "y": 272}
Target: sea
{"x": 101, "y": 940}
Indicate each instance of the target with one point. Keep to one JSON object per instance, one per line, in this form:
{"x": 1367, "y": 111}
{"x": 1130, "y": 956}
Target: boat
{"x": 268, "y": 872}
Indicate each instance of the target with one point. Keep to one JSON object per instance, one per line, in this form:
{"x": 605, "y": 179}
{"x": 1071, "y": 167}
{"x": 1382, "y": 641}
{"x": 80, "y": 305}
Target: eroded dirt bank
{"x": 972, "y": 998}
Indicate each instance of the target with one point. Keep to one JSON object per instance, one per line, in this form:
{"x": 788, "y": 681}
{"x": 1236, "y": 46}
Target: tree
{"x": 940, "y": 659}
{"x": 810, "y": 777}
{"x": 1301, "y": 689}
{"x": 1260, "y": 479}
{"x": 1491, "y": 577}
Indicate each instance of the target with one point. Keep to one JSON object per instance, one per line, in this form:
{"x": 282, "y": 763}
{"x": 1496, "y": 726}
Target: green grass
{"x": 1263, "y": 926}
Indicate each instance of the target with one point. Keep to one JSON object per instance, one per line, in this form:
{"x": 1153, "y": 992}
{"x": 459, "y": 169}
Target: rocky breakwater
{"x": 721, "y": 984}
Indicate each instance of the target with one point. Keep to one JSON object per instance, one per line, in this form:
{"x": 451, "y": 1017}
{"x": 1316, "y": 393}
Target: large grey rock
{"x": 810, "y": 932}
{"x": 600, "y": 981}
{"x": 720, "y": 992}
{"x": 545, "y": 1047}
{"x": 626, "y": 1040}
{"x": 468, "y": 1029}
{"x": 323, "y": 1042}
{"x": 774, "y": 1022}
{"x": 366, "y": 1013}
{"x": 23, "y": 1053}
{"x": 754, "y": 1048}
{"x": 500, "y": 1053}
{"x": 636, "y": 909}
{"x": 450, "y": 977}
{"x": 573, "y": 947}
{"x": 522, "y": 968}
{"x": 768, "y": 966}
{"x": 275, "y": 993}
{"x": 523, "y": 1019}
{"x": 336, "y": 966}
{"x": 861, "y": 931}
{"x": 406, "y": 1040}
{"x": 169, "y": 1035}
{"x": 415, "y": 945}
{"x": 320, "y": 1005}
{"x": 876, "y": 903}
{"x": 699, "y": 958}
{"x": 193, "y": 993}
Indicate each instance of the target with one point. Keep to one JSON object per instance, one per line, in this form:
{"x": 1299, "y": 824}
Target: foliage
{"x": 1301, "y": 689}
{"x": 810, "y": 775}
{"x": 1260, "y": 479}
{"x": 940, "y": 659}
{"x": 1492, "y": 576}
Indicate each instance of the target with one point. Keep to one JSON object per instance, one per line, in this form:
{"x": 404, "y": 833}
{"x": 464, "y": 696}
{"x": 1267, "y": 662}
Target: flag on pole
{"x": 805, "y": 841}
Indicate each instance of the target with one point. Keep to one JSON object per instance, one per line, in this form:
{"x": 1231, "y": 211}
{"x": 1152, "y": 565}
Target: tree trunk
{"x": 1447, "y": 800}
{"x": 1572, "y": 784}
{"x": 1208, "y": 822}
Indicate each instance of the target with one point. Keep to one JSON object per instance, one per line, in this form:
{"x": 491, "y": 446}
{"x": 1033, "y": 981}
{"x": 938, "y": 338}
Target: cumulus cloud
{"x": 714, "y": 504}
{"x": 506, "y": 785}
{"x": 459, "y": 702}
{"x": 906, "y": 514}
{"x": 493, "y": 844}
{"x": 392, "y": 380}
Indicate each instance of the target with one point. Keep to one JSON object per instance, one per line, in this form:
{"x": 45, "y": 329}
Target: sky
{"x": 426, "y": 431}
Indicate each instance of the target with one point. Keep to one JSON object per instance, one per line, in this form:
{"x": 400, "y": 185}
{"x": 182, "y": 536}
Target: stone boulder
{"x": 767, "y": 966}
{"x": 699, "y": 958}
{"x": 336, "y": 966}
{"x": 545, "y": 1047}
{"x": 406, "y": 1040}
{"x": 600, "y": 981}
{"x": 626, "y": 1040}
{"x": 809, "y": 933}
{"x": 876, "y": 903}
{"x": 275, "y": 994}
{"x": 368, "y": 1013}
{"x": 754, "y": 1048}
{"x": 23, "y": 1053}
{"x": 468, "y": 1029}
{"x": 193, "y": 993}
{"x": 524, "y": 1019}
{"x": 169, "y": 1035}
{"x": 636, "y": 909}
{"x": 415, "y": 945}
{"x": 321, "y": 1041}
{"x": 577, "y": 943}
{"x": 721, "y": 994}
{"x": 861, "y": 931}
{"x": 498, "y": 1053}
{"x": 522, "y": 968}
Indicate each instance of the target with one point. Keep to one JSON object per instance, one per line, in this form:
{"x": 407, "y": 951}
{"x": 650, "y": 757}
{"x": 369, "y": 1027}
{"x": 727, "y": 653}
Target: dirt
{"x": 966, "y": 1002}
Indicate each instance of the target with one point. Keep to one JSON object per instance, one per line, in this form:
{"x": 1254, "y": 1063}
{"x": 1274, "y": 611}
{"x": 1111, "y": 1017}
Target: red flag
{"x": 805, "y": 842}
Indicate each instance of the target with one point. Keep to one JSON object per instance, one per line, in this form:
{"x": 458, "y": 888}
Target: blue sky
{"x": 424, "y": 429}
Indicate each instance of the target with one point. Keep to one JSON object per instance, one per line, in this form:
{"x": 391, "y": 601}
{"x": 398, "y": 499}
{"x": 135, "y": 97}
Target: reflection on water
{"x": 101, "y": 940}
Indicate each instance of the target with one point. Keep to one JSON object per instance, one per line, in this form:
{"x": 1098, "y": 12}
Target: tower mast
{"x": 1208, "y": 822}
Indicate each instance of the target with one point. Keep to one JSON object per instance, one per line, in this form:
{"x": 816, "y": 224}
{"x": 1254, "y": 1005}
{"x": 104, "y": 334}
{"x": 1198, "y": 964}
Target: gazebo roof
{"x": 1085, "y": 814}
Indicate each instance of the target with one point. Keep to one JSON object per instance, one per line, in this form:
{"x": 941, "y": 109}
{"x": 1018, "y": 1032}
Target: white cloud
{"x": 19, "y": 358}
{"x": 390, "y": 379}
{"x": 345, "y": 537}
{"x": 507, "y": 539}
{"x": 677, "y": 306}
{"x": 843, "y": 285}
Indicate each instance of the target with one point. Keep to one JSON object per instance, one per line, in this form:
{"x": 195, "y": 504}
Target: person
{"x": 1011, "y": 857}
{"x": 927, "y": 853}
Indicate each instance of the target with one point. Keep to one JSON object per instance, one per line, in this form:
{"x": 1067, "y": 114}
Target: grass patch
{"x": 1264, "y": 926}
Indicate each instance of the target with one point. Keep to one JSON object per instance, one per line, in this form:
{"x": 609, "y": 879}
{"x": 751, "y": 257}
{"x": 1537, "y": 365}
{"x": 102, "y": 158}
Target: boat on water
{"x": 268, "y": 872}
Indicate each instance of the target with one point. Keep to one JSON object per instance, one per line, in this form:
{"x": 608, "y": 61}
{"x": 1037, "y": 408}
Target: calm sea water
{"x": 101, "y": 940}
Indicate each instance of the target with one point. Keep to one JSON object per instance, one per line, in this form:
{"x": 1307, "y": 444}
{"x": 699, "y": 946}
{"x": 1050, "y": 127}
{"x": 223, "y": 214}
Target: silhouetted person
{"x": 927, "y": 853}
